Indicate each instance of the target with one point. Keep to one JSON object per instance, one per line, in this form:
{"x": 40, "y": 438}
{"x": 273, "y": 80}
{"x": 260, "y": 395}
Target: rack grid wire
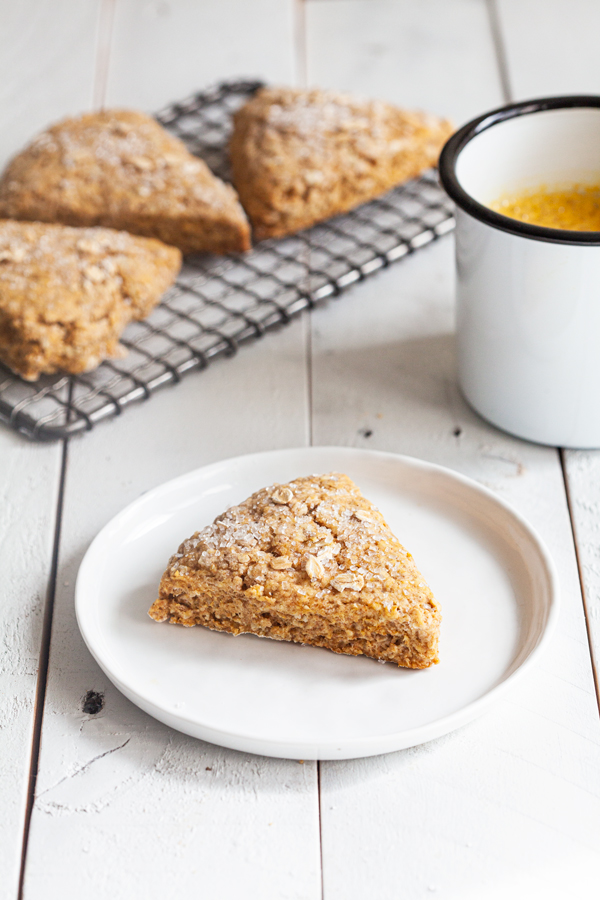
{"x": 218, "y": 303}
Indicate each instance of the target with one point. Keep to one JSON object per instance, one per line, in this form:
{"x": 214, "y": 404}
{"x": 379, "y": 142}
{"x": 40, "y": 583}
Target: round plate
{"x": 489, "y": 570}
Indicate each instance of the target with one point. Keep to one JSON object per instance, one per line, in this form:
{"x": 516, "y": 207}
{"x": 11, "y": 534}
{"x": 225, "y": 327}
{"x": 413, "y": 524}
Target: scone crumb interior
{"x": 312, "y": 561}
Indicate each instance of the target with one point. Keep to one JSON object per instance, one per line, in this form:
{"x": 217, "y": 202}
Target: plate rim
{"x": 370, "y": 745}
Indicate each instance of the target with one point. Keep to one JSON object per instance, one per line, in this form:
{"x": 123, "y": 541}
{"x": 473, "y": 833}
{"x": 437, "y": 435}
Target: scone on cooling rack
{"x": 121, "y": 169}
{"x": 302, "y": 156}
{"x": 66, "y": 294}
{"x": 311, "y": 561}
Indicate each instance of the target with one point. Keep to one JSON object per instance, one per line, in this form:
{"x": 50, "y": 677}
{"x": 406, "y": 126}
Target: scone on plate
{"x": 66, "y": 294}
{"x": 301, "y": 156}
{"x": 121, "y": 169}
{"x": 311, "y": 561}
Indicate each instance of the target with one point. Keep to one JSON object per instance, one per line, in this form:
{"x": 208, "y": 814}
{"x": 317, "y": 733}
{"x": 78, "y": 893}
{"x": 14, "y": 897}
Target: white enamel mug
{"x": 528, "y": 298}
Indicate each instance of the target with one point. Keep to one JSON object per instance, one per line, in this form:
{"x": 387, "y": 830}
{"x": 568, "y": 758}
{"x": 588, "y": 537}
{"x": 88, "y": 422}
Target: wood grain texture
{"x": 47, "y": 66}
{"x": 29, "y": 476}
{"x": 434, "y": 54}
{"x": 583, "y": 479}
{"x": 550, "y": 48}
{"x": 510, "y": 805}
{"x": 164, "y": 50}
{"x": 563, "y": 59}
{"x": 47, "y": 63}
{"x": 125, "y": 806}
{"x": 106, "y": 777}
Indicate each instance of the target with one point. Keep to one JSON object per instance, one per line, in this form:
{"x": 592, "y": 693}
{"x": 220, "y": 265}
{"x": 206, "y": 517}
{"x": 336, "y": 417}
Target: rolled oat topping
{"x": 295, "y": 562}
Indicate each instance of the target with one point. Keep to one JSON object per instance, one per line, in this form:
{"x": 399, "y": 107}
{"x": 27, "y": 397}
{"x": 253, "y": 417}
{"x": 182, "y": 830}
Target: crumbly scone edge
{"x": 313, "y": 590}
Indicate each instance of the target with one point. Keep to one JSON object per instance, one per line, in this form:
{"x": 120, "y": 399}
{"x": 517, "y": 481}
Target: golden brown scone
{"x": 301, "y": 156}
{"x": 311, "y": 561}
{"x": 66, "y": 294}
{"x": 121, "y": 169}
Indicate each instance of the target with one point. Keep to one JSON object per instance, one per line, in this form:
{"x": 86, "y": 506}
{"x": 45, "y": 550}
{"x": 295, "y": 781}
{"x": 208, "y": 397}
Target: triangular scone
{"x": 301, "y": 156}
{"x": 66, "y": 294}
{"x": 311, "y": 561}
{"x": 121, "y": 169}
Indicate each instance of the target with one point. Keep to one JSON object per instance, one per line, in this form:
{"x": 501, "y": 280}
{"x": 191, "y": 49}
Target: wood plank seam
{"x": 307, "y": 320}
{"x": 43, "y": 665}
{"x": 244, "y": 788}
{"x": 301, "y": 54}
{"x": 502, "y": 60}
{"x": 584, "y": 596}
{"x": 408, "y": 801}
{"x": 106, "y": 18}
{"x": 103, "y": 42}
{"x": 320, "y": 798}
{"x": 500, "y": 49}
{"x": 300, "y": 42}
{"x": 301, "y": 50}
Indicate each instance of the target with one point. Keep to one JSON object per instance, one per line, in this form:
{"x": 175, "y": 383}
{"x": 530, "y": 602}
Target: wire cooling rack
{"x": 219, "y": 303}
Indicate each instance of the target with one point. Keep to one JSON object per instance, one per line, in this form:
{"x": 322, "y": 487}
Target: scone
{"x": 311, "y": 561}
{"x": 121, "y": 169}
{"x": 66, "y": 294}
{"x": 301, "y": 156}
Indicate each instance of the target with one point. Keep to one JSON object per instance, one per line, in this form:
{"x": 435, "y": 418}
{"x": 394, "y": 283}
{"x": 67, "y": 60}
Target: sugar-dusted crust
{"x": 121, "y": 169}
{"x": 311, "y": 561}
{"x": 301, "y": 156}
{"x": 66, "y": 294}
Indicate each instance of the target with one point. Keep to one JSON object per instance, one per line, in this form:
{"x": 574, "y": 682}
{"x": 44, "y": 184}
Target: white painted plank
{"x": 126, "y": 807}
{"x": 553, "y": 54}
{"x": 434, "y": 54}
{"x": 164, "y": 50}
{"x": 510, "y": 805}
{"x": 47, "y": 65}
{"x": 29, "y": 476}
{"x": 551, "y": 48}
{"x": 583, "y": 478}
{"x": 190, "y": 817}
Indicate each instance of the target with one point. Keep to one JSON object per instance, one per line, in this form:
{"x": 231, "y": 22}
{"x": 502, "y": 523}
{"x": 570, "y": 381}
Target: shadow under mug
{"x": 528, "y": 297}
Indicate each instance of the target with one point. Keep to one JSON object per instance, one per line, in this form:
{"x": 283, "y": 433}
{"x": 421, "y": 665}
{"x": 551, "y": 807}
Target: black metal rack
{"x": 220, "y": 302}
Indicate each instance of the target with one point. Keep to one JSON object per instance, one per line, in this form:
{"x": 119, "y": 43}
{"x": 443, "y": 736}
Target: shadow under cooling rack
{"x": 219, "y": 303}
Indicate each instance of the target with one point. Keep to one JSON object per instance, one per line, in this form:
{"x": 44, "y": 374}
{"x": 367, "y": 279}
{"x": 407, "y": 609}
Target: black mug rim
{"x": 454, "y": 146}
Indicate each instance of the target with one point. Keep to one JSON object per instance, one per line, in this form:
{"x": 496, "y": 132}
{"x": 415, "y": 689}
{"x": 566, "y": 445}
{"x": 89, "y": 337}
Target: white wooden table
{"x": 115, "y": 805}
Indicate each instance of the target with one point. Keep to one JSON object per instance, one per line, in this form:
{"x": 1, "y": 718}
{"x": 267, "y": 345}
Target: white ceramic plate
{"x": 489, "y": 570}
